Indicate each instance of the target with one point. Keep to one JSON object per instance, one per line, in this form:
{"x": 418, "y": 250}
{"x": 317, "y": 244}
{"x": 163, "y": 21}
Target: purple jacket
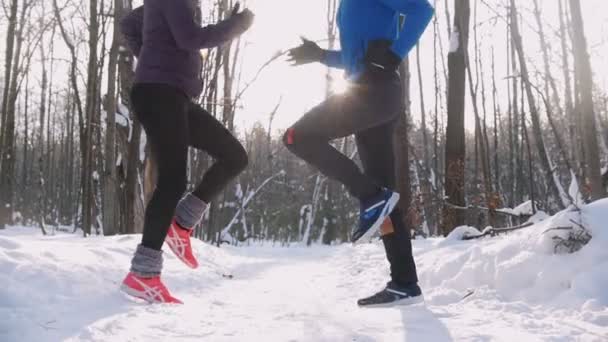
{"x": 166, "y": 39}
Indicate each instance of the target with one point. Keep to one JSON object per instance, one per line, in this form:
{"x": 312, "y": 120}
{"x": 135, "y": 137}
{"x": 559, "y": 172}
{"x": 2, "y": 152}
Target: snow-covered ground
{"x": 65, "y": 287}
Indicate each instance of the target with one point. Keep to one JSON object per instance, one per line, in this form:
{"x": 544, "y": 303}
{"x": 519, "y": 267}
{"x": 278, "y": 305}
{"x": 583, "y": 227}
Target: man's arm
{"x": 333, "y": 59}
{"x": 187, "y": 33}
{"x": 418, "y": 14}
{"x": 131, "y": 27}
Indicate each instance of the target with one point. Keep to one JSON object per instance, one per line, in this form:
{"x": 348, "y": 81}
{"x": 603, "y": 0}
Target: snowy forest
{"x": 519, "y": 73}
{"x": 501, "y": 160}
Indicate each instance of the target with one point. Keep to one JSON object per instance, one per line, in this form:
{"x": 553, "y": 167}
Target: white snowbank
{"x": 64, "y": 287}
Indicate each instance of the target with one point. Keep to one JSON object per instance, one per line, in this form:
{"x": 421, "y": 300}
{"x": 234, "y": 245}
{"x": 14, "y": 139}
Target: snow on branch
{"x": 246, "y": 201}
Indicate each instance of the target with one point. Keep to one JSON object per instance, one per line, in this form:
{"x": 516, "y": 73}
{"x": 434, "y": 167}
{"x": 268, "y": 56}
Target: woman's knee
{"x": 235, "y": 161}
{"x": 240, "y": 160}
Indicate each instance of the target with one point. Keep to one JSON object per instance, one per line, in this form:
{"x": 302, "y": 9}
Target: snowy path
{"x": 65, "y": 288}
{"x": 276, "y": 295}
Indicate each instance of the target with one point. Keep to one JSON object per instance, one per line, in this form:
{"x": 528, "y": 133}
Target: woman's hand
{"x": 240, "y": 22}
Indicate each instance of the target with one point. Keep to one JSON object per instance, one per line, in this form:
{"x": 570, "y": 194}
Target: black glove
{"x": 308, "y": 52}
{"x": 380, "y": 57}
{"x": 240, "y": 22}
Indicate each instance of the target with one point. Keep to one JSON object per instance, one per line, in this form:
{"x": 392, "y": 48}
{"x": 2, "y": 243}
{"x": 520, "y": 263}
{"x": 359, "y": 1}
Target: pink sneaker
{"x": 178, "y": 240}
{"x": 151, "y": 290}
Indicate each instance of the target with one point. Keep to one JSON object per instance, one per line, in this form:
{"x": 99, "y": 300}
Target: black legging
{"x": 172, "y": 124}
{"x": 369, "y": 110}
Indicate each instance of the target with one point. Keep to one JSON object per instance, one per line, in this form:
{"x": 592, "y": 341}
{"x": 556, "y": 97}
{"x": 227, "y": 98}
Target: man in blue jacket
{"x": 373, "y": 45}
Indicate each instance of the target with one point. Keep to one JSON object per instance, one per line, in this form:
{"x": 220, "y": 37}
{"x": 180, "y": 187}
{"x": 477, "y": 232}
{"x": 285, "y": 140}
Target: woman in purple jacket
{"x": 166, "y": 37}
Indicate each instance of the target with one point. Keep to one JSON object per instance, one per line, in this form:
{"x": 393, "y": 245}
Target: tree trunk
{"x": 110, "y": 182}
{"x": 553, "y": 186}
{"x": 425, "y": 182}
{"x": 455, "y": 133}
{"x": 8, "y": 60}
{"x": 401, "y": 139}
{"x": 9, "y": 156}
{"x": 567, "y": 85}
{"x": 585, "y": 82}
{"x": 90, "y": 108}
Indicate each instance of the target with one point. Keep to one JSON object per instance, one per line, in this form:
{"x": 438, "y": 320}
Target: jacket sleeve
{"x": 131, "y": 27}
{"x": 187, "y": 33}
{"x": 418, "y": 14}
{"x": 333, "y": 59}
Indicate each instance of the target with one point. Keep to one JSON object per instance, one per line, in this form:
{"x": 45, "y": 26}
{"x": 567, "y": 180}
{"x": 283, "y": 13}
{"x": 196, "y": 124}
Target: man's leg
{"x": 376, "y": 151}
{"x": 359, "y": 109}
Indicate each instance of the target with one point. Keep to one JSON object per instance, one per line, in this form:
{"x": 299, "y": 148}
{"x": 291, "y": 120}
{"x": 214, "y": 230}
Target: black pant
{"x": 369, "y": 110}
{"x": 172, "y": 124}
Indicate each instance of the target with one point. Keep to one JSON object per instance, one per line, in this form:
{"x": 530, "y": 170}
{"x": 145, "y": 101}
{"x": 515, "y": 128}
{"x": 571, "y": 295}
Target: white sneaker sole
{"x": 401, "y": 302}
{"x": 390, "y": 206}
{"x": 136, "y": 294}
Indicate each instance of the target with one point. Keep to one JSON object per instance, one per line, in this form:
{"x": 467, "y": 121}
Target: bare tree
{"x": 585, "y": 82}
{"x": 555, "y": 188}
{"x": 110, "y": 181}
{"x": 455, "y": 134}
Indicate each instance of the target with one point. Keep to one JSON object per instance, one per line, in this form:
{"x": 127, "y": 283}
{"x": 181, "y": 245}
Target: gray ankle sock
{"x": 147, "y": 262}
{"x": 189, "y": 211}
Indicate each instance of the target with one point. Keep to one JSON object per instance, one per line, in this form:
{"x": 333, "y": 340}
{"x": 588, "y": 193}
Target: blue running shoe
{"x": 392, "y": 295}
{"x": 373, "y": 212}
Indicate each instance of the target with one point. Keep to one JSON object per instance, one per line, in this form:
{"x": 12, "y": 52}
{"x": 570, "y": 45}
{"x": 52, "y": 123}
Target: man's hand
{"x": 308, "y": 52}
{"x": 380, "y": 57}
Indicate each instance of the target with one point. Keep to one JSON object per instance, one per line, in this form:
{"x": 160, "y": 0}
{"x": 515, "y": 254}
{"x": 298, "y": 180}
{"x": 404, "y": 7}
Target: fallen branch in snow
{"x": 572, "y": 241}
{"x": 476, "y": 207}
{"x": 469, "y": 293}
{"x": 495, "y": 231}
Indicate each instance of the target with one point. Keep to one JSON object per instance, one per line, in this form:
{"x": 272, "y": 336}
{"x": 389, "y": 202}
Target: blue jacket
{"x": 361, "y": 21}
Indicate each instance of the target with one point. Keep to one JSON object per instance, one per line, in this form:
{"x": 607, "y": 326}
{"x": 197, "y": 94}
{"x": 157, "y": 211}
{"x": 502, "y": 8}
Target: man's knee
{"x": 289, "y": 137}
{"x": 294, "y": 141}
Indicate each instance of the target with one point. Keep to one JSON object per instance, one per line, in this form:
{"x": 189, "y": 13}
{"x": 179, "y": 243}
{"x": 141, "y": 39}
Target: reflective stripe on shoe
{"x": 178, "y": 240}
{"x": 388, "y": 209}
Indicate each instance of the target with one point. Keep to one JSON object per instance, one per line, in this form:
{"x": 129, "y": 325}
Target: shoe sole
{"x": 367, "y": 236}
{"x": 137, "y": 295}
{"x": 402, "y": 302}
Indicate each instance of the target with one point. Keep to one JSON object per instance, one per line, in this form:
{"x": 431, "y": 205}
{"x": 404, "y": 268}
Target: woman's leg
{"x": 209, "y": 135}
{"x": 162, "y": 112}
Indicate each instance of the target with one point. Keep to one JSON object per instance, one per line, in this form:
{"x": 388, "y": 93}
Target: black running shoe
{"x": 394, "y": 295}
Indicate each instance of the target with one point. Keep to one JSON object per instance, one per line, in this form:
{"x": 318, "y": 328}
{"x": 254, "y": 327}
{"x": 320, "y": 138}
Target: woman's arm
{"x": 187, "y": 33}
{"x": 131, "y": 27}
